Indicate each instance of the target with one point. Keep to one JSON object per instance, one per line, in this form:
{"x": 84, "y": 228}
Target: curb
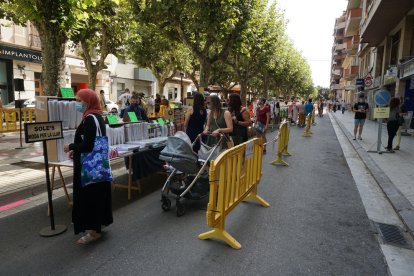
{"x": 399, "y": 202}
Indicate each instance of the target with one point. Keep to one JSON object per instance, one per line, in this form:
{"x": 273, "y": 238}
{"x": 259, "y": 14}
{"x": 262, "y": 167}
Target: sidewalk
{"x": 394, "y": 172}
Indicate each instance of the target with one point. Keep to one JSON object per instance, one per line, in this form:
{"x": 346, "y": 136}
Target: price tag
{"x": 112, "y": 120}
{"x": 149, "y": 127}
{"x": 67, "y": 92}
{"x": 154, "y": 121}
{"x": 161, "y": 121}
{"x": 133, "y": 117}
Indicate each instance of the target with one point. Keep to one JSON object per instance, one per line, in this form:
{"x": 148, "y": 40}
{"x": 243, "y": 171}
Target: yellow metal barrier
{"x": 234, "y": 177}
{"x": 282, "y": 144}
{"x": 11, "y": 118}
{"x": 313, "y": 117}
{"x": 308, "y": 132}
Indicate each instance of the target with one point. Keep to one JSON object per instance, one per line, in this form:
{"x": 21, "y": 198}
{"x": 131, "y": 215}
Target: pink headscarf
{"x": 91, "y": 99}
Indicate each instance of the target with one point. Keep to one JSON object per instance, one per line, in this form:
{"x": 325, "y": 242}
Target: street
{"x": 316, "y": 225}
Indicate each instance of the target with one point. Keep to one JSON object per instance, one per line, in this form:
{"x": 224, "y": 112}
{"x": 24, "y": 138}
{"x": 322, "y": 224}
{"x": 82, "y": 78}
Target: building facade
{"x": 21, "y": 57}
{"x": 385, "y": 55}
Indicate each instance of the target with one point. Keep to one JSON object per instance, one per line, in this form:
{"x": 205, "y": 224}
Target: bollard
{"x": 283, "y": 142}
{"x": 234, "y": 177}
{"x": 308, "y": 132}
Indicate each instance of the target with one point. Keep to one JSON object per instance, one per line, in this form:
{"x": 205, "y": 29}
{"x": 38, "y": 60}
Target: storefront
{"x": 19, "y": 63}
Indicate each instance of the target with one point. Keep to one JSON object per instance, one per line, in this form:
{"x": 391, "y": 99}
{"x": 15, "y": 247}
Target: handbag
{"x": 95, "y": 164}
{"x": 259, "y": 127}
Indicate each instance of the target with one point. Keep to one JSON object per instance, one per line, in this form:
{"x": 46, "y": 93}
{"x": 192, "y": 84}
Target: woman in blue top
{"x": 195, "y": 119}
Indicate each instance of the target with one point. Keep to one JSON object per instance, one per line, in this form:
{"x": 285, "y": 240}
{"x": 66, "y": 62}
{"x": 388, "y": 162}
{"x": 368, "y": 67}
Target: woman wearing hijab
{"x": 92, "y": 204}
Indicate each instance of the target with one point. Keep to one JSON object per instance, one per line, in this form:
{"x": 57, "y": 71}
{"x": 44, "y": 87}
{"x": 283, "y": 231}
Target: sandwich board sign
{"x": 44, "y": 131}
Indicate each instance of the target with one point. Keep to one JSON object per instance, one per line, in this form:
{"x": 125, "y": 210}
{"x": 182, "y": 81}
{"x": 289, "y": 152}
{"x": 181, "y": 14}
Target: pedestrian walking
{"x": 360, "y": 108}
{"x": 262, "y": 121}
{"x": 301, "y": 111}
{"x": 320, "y": 108}
{"x": 393, "y": 122}
{"x": 123, "y": 100}
{"x": 195, "y": 119}
{"x": 343, "y": 106}
{"x": 308, "y": 107}
{"x": 157, "y": 103}
{"x": 241, "y": 119}
{"x": 92, "y": 204}
{"x": 151, "y": 105}
{"x": 398, "y": 135}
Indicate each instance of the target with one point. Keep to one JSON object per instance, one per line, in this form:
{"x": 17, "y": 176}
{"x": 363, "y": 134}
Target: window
{"x": 120, "y": 87}
{"x": 395, "y": 41}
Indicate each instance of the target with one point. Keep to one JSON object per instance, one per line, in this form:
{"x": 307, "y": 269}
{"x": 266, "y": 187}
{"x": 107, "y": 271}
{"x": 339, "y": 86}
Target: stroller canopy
{"x": 179, "y": 153}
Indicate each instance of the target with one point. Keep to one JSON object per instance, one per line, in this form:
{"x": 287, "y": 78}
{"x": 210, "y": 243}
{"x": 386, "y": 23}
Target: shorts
{"x": 359, "y": 122}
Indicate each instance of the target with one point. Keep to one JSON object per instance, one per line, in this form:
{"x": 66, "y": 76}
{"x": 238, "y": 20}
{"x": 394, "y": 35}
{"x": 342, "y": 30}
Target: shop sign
{"x": 35, "y": 132}
{"x": 20, "y": 54}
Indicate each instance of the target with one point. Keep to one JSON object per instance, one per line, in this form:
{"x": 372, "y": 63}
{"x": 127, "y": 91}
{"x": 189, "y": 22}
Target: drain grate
{"x": 392, "y": 234}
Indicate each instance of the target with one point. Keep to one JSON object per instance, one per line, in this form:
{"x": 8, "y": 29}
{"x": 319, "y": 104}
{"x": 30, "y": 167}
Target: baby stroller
{"x": 189, "y": 171}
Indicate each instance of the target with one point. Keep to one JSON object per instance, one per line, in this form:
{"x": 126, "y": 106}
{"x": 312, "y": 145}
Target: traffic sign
{"x": 382, "y": 97}
{"x": 368, "y": 82}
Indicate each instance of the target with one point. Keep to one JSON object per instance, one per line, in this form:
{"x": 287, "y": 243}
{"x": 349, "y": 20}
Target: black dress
{"x": 92, "y": 205}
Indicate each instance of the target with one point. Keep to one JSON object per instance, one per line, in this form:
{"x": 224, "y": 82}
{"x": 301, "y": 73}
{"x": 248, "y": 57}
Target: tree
{"x": 102, "y": 32}
{"x": 208, "y": 28}
{"x": 148, "y": 47}
{"x": 53, "y": 19}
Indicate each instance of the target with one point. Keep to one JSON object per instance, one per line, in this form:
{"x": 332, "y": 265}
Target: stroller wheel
{"x": 180, "y": 209}
{"x": 166, "y": 204}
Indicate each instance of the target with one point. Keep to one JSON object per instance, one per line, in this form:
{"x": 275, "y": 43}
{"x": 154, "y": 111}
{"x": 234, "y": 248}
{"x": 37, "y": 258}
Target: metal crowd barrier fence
{"x": 308, "y": 132}
{"x": 234, "y": 177}
{"x": 10, "y": 118}
{"x": 313, "y": 117}
{"x": 282, "y": 144}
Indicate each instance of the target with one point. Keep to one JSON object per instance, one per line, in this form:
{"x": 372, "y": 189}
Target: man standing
{"x": 135, "y": 107}
{"x": 123, "y": 100}
{"x": 308, "y": 108}
{"x": 360, "y": 108}
{"x": 102, "y": 100}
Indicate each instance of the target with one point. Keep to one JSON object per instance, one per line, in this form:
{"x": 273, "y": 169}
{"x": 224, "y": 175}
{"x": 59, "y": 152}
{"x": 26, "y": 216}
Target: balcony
{"x": 381, "y": 17}
{"x": 406, "y": 68}
{"x": 340, "y": 25}
{"x": 352, "y": 22}
{"x": 34, "y": 42}
{"x": 143, "y": 74}
{"x": 351, "y": 73}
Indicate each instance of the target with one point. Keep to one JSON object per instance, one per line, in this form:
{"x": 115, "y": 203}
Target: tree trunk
{"x": 93, "y": 72}
{"x": 243, "y": 91}
{"x": 205, "y": 68}
{"x": 53, "y": 51}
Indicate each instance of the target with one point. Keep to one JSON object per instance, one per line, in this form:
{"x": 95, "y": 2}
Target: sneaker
{"x": 354, "y": 138}
{"x": 397, "y": 148}
{"x": 360, "y": 138}
{"x": 390, "y": 151}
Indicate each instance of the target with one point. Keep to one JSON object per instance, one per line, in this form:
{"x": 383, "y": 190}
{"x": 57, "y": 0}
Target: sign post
{"x": 43, "y": 131}
{"x": 381, "y": 99}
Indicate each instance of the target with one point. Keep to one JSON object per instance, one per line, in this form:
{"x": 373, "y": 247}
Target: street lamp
{"x": 182, "y": 87}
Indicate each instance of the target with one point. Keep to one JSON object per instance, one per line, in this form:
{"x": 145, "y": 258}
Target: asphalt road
{"x": 316, "y": 225}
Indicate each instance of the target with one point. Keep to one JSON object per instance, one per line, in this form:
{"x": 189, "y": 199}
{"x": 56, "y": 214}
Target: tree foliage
{"x": 208, "y": 28}
{"x": 53, "y": 19}
{"x": 102, "y": 30}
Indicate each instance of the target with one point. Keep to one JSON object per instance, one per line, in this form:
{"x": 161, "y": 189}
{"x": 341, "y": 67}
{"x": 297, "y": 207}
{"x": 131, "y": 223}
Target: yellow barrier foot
{"x": 307, "y": 134}
{"x": 286, "y": 153}
{"x": 258, "y": 199}
{"x": 279, "y": 161}
{"x": 220, "y": 235}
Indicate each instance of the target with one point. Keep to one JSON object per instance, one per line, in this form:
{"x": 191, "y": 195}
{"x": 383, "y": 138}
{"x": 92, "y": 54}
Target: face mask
{"x": 80, "y": 107}
{"x": 209, "y": 106}
{"x": 362, "y": 100}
